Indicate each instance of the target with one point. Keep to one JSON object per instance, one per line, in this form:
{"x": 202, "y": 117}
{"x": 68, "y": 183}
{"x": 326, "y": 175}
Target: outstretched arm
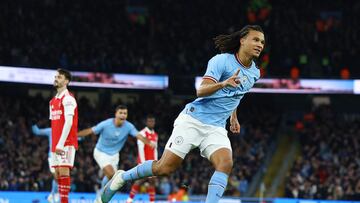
{"x": 85, "y": 132}
{"x": 145, "y": 140}
{"x": 41, "y": 131}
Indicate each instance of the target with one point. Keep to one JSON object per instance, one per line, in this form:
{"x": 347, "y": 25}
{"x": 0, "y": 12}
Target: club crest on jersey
{"x": 179, "y": 140}
{"x": 244, "y": 79}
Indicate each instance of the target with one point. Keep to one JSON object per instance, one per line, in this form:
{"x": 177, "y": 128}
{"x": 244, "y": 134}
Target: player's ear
{"x": 242, "y": 41}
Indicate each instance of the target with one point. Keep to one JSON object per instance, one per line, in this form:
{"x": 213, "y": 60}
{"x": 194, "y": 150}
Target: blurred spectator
{"x": 329, "y": 167}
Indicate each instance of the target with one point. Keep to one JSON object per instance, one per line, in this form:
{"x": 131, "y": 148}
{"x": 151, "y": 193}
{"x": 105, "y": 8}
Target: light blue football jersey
{"x": 216, "y": 108}
{"x": 112, "y": 138}
{"x": 43, "y": 132}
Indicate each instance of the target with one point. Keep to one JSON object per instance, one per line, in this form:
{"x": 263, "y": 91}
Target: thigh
{"x": 184, "y": 137}
{"x": 215, "y": 139}
{"x": 104, "y": 160}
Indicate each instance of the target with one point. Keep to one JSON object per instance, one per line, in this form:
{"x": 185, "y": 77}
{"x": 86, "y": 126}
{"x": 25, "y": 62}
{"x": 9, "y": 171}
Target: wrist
{"x": 223, "y": 84}
{"x": 59, "y": 146}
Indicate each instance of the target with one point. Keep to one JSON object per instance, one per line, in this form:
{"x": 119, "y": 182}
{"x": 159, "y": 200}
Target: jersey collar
{"x": 58, "y": 96}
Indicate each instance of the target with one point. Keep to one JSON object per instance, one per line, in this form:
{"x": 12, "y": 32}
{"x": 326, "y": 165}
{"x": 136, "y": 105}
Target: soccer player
{"x": 113, "y": 135}
{"x": 146, "y": 153}
{"x": 64, "y": 123}
{"x": 201, "y": 124}
{"x": 54, "y": 195}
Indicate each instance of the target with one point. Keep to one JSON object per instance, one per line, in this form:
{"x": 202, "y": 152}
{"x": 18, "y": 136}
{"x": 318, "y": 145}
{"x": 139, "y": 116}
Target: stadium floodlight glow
{"x": 85, "y": 79}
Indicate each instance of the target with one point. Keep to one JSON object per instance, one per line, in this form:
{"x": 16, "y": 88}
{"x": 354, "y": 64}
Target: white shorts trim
{"x": 190, "y": 133}
{"x": 66, "y": 159}
{"x": 103, "y": 159}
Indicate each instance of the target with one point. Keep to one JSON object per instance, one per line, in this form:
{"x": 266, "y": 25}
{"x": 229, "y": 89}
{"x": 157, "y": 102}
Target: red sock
{"x": 134, "y": 189}
{"x": 151, "y": 191}
{"x": 64, "y": 188}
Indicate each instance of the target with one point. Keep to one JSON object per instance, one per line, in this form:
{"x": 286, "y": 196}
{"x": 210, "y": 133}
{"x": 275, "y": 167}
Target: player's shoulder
{"x": 221, "y": 57}
{"x": 69, "y": 98}
{"x": 128, "y": 124}
{"x": 109, "y": 120}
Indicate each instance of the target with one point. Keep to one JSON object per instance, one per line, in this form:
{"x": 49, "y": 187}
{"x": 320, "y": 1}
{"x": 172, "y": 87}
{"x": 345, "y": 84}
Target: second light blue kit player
{"x": 113, "y": 133}
{"x": 201, "y": 124}
{"x": 54, "y": 195}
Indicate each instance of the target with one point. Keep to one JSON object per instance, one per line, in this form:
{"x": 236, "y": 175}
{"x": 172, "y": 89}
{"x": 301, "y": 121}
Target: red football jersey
{"x": 145, "y": 152}
{"x": 57, "y": 117}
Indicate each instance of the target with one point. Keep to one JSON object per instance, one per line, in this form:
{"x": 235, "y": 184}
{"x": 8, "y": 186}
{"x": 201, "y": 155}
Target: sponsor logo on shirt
{"x": 56, "y": 114}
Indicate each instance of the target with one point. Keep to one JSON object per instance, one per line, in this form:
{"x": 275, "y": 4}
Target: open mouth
{"x": 258, "y": 51}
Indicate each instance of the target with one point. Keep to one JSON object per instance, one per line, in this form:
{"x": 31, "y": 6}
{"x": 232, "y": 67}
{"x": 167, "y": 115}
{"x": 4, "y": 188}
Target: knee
{"x": 224, "y": 165}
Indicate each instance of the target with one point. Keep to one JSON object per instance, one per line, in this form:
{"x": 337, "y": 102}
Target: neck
{"x": 117, "y": 122}
{"x": 244, "y": 59}
{"x": 61, "y": 89}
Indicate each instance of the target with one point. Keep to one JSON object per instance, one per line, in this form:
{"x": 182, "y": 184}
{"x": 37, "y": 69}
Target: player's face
{"x": 121, "y": 115}
{"x": 60, "y": 81}
{"x": 150, "y": 123}
{"x": 253, "y": 43}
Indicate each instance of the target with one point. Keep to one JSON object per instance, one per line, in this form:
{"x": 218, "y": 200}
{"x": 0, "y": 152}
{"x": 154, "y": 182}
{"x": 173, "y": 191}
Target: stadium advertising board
{"x": 85, "y": 79}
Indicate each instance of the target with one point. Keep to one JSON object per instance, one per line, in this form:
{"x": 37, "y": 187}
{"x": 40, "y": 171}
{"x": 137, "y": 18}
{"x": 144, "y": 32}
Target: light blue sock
{"x": 217, "y": 186}
{"x": 140, "y": 171}
{"x": 54, "y": 187}
{"x": 103, "y": 182}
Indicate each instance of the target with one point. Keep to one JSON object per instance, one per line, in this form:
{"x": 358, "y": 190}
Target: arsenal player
{"x": 64, "y": 123}
{"x": 145, "y": 153}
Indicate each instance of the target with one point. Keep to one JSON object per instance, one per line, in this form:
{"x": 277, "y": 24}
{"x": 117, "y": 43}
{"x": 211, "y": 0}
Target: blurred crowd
{"x": 329, "y": 164}
{"x": 175, "y": 37}
{"x": 23, "y": 156}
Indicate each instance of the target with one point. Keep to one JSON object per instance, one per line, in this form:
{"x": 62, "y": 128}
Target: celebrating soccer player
{"x": 201, "y": 124}
{"x": 113, "y": 135}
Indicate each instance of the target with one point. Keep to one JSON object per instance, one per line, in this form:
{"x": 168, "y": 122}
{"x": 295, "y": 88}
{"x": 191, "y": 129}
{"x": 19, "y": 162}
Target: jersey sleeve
{"x": 99, "y": 127}
{"x": 215, "y": 68}
{"x": 69, "y": 104}
{"x": 133, "y": 131}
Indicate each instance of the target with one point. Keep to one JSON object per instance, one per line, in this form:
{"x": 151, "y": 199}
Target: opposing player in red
{"x": 145, "y": 153}
{"x": 64, "y": 124}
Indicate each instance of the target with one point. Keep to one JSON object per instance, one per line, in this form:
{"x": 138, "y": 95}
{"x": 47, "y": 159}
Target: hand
{"x": 234, "y": 126}
{"x": 59, "y": 151}
{"x": 232, "y": 81}
{"x": 153, "y": 144}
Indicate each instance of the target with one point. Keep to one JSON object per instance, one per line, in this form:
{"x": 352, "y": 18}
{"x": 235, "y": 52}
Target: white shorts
{"x": 52, "y": 169}
{"x": 103, "y": 159}
{"x": 66, "y": 159}
{"x": 189, "y": 133}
